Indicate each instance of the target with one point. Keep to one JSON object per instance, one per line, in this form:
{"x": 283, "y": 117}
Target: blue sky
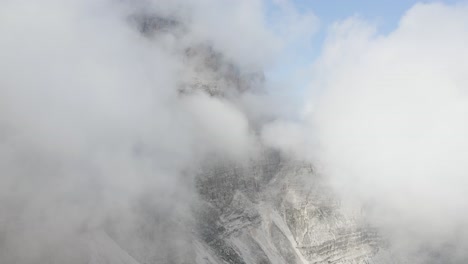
{"x": 385, "y": 14}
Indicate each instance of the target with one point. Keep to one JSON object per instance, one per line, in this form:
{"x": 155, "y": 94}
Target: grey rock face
{"x": 150, "y": 25}
{"x": 211, "y": 72}
{"x": 270, "y": 211}
{"x": 288, "y": 217}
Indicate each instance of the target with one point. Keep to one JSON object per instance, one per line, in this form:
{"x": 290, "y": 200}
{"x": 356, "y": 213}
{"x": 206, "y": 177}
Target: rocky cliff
{"x": 277, "y": 211}
{"x": 270, "y": 209}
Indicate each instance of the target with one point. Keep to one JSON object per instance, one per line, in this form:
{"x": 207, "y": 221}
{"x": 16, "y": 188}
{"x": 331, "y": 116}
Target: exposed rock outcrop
{"x": 288, "y": 217}
{"x": 271, "y": 210}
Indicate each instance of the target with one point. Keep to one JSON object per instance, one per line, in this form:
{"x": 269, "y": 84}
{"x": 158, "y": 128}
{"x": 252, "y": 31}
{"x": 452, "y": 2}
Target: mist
{"x": 91, "y": 122}
{"x": 105, "y": 120}
{"x": 387, "y": 123}
{"x": 102, "y": 126}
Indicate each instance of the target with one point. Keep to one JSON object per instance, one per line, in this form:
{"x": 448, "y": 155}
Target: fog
{"x": 387, "y": 122}
{"x": 91, "y": 122}
{"x": 95, "y": 131}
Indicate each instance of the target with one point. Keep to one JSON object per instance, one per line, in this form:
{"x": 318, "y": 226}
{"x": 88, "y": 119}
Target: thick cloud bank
{"x": 388, "y": 122}
{"x": 98, "y": 130}
{"x": 103, "y": 122}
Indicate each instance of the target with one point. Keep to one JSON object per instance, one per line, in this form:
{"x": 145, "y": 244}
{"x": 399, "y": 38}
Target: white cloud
{"x": 390, "y": 122}
{"x": 91, "y": 119}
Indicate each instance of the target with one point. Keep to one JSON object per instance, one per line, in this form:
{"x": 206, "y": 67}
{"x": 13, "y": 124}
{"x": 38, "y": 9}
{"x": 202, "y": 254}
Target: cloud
{"x": 224, "y": 126}
{"x": 94, "y": 131}
{"x": 97, "y": 133}
{"x": 388, "y": 125}
{"x": 286, "y": 136}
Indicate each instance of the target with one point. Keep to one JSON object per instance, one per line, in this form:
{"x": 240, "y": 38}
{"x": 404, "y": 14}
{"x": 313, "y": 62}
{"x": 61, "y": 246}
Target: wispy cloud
{"x": 389, "y": 126}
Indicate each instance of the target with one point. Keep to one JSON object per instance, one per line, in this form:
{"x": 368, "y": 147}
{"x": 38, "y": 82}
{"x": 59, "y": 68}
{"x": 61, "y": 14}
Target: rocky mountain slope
{"x": 270, "y": 210}
{"x": 277, "y": 211}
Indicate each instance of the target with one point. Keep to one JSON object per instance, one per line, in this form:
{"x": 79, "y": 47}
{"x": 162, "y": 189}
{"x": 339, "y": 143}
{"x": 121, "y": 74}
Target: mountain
{"x": 271, "y": 209}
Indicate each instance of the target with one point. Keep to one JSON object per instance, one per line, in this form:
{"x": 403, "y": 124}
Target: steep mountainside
{"x": 277, "y": 211}
{"x": 272, "y": 210}
{"x": 268, "y": 209}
